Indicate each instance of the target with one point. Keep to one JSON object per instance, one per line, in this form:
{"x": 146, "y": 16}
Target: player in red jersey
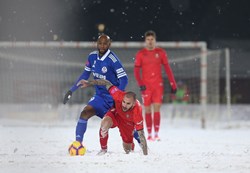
{"x": 126, "y": 115}
{"x": 149, "y": 61}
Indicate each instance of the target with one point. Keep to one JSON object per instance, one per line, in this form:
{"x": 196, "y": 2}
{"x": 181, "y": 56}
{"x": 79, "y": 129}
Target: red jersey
{"x": 134, "y": 115}
{"x": 150, "y": 62}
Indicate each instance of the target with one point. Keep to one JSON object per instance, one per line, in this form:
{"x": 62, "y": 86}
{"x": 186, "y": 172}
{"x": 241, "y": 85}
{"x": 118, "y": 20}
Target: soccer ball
{"x": 77, "y": 149}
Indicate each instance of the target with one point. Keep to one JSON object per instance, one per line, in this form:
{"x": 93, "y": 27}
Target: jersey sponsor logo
{"x": 104, "y": 69}
{"x": 100, "y": 76}
{"x": 127, "y": 116}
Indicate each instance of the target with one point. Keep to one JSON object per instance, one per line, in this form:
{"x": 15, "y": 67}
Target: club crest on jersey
{"x": 156, "y": 55}
{"x": 104, "y": 69}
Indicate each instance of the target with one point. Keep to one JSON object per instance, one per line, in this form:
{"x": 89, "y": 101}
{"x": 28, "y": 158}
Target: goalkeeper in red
{"x": 126, "y": 115}
{"x": 147, "y": 71}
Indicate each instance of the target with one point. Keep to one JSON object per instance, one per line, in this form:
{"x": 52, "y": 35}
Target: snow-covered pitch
{"x": 27, "y": 147}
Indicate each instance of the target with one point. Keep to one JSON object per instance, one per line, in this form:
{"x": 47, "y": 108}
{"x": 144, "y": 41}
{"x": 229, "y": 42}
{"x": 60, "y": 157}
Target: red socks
{"x": 149, "y": 122}
{"x": 157, "y": 120}
{"x": 103, "y": 140}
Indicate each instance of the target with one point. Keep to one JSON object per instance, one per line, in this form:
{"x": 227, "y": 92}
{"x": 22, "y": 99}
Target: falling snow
{"x": 30, "y": 147}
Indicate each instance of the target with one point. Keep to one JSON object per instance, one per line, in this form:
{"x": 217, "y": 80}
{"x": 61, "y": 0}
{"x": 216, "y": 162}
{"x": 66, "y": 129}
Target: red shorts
{"x": 126, "y": 128}
{"x": 153, "y": 94}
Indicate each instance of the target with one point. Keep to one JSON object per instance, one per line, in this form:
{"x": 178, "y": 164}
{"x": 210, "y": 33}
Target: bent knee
{"x": 87, "y": 112}
{"x": 106, "y": 123}
{"x": 148, "y": 109}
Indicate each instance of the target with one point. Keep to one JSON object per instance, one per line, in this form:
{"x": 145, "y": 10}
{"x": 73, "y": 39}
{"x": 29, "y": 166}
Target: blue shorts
{"x": 101, "y": 104}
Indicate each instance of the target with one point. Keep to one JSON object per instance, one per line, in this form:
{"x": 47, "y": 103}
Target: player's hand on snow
{"x": 143, "y": 143}
{"x": 67, "y": 97}
{"x": 83, "y": 83}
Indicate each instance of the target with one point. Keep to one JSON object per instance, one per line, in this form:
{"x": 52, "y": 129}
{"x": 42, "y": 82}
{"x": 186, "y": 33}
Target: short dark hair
{"x": 150, "y": 33}
{"x": 130, "y": 94}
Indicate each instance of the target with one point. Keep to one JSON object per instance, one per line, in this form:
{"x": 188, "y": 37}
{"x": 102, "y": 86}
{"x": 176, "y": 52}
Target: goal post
{"x": 41, "y": 72}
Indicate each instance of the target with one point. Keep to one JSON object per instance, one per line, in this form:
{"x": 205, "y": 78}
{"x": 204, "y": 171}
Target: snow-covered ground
{"x": 28, "y": 147}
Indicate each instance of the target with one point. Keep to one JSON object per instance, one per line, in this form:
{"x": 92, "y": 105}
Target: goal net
{"x": 40, "y": 73}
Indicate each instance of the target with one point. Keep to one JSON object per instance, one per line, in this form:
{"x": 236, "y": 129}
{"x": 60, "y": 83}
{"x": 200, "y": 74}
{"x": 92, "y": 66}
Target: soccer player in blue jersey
{"x": 103, "y": 64}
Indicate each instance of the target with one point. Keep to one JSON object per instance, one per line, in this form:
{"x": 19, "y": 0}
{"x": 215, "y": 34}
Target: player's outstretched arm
{"x": 68, "y": 95}
{"x": 85, "y": 83}
{"x": 104, "y": 82}
{"x": 143, "y": 142}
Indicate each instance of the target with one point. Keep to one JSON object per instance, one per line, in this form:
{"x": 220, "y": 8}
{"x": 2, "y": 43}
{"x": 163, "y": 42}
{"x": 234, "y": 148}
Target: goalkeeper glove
{"x": 67, "y": 97}
{"x": 173, "y": 91}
